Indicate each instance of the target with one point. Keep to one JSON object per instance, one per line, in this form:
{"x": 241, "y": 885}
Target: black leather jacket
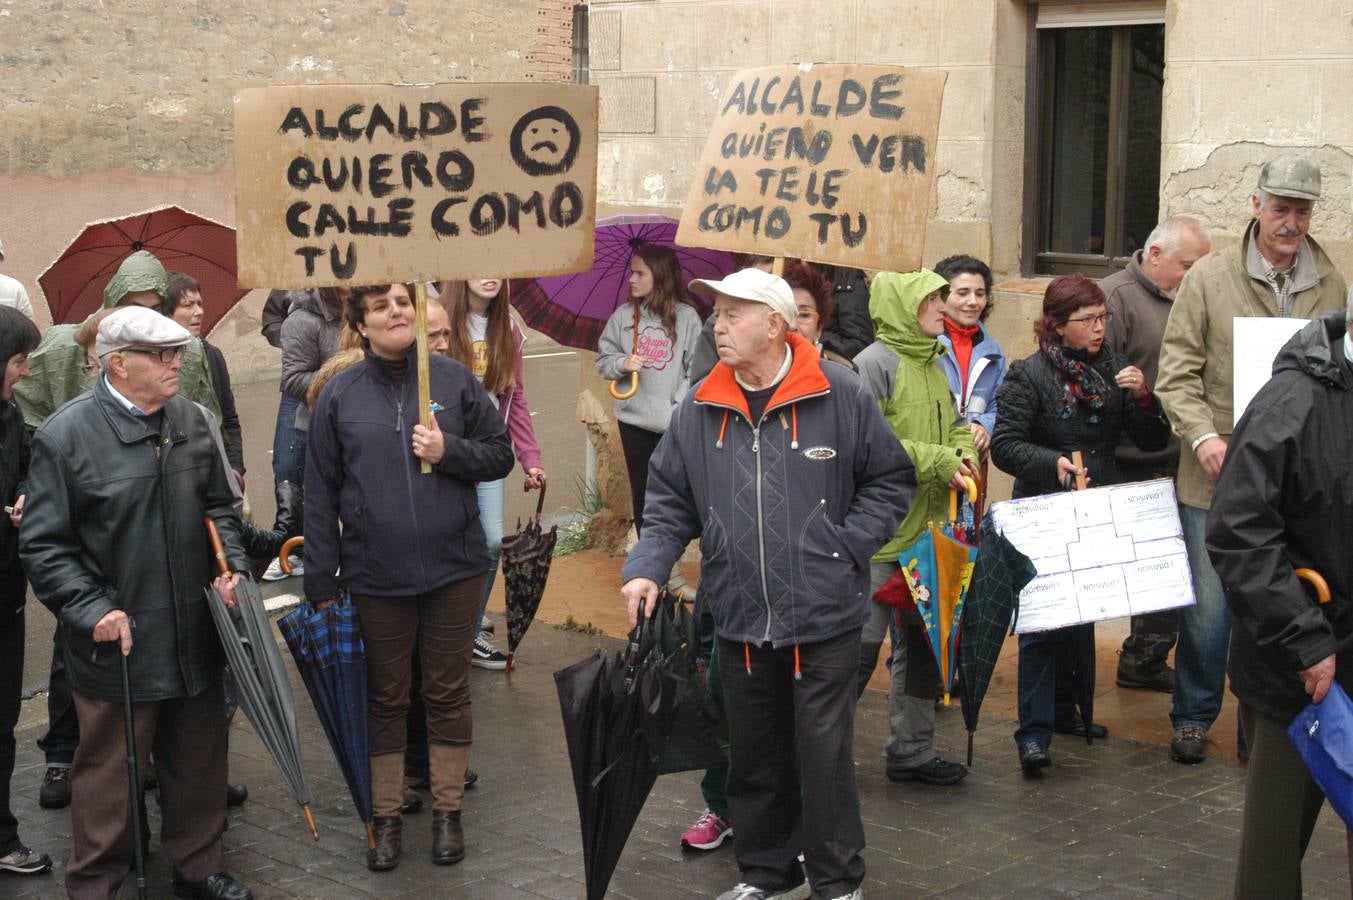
{"x": 113, "y": 520}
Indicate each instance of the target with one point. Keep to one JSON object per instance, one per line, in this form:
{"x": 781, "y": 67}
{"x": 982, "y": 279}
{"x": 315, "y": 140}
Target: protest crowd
{"x": 807, "y": 432}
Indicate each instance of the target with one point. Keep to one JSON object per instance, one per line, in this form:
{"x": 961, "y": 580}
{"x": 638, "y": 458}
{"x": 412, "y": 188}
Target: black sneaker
{"x": 1188, "y": 745}
{"x": 236, "y": 794}
{"x": 55, "y": 790}
{"x": 937, "y": 771}
{"x": 485, "y": 656}
{"x": 1033, "y": 757}
{"x": 1161, "y": 679}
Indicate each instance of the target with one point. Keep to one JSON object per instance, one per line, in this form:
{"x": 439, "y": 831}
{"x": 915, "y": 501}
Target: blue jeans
{"x": 1204, "y": 634}
{"x": 288, "y": 444}
{"x": 490, "y": 496}
{"x": 1043, "y": 656}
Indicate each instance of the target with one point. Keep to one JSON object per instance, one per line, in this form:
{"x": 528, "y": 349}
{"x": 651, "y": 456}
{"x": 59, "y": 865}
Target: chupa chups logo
{"x": 820, "y": 454}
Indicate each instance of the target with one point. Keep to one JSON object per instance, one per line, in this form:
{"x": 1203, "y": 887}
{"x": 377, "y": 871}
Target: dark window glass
{"x": 1141, "y": 163}
{"x": 1078, "y": 139}
{"x": 580, "y": 50}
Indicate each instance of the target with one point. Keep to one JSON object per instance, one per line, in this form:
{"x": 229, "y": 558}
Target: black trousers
{"x": 775, "y": 813}
{"x": 638, "y": 445}
{"x": 11, "y": 687}
{"x": 63, "y": 726}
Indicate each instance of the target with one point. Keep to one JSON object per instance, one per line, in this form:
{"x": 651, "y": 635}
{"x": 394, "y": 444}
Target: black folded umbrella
{"x": 526, "y": 559}
{"x": 616, "y": 720}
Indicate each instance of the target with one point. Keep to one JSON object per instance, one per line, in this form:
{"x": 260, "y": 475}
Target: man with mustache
{"x": 1275, "y": 270}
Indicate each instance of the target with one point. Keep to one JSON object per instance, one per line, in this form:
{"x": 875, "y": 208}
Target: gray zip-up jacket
{"x": 788, "y": 513}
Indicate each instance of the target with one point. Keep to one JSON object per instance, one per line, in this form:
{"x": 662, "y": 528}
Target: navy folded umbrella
{"x": 327, "y": 645}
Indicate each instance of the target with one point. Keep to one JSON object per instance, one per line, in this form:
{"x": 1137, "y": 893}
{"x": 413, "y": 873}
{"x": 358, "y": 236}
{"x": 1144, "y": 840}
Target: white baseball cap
{"x": 754, "y": 285}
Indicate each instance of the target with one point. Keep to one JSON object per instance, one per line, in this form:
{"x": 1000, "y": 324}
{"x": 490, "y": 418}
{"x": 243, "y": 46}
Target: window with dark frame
{"x": 1095, "y": 189}
{"x": 580, "y": 50}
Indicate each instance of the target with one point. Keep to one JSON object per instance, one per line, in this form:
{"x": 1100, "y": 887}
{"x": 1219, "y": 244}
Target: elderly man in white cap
{"x": 114, "y": 546}
{"x": 787, "y": 471}
{"x": 1275, "y": 270}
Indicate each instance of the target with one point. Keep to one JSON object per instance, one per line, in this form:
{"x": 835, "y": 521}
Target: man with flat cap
{"x": 785, "y": 468}
{"x": 1275, "y": 270}
{"x": 114, "y": 544}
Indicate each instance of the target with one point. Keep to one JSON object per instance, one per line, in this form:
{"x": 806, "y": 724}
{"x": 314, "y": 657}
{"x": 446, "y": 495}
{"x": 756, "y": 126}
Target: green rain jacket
{"x": 56, "y": 368}
{"x": 900, "y": 372}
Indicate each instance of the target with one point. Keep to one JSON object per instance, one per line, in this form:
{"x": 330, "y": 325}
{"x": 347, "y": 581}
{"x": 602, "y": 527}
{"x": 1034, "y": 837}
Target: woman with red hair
{"x": 1071, "y": 394}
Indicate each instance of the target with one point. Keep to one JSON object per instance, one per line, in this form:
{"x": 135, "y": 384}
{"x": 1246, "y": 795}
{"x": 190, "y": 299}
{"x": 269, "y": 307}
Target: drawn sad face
{"x": 545, "y": 141}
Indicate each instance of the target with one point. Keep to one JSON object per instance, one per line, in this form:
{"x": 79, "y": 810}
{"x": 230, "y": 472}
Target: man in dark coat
{"x": 1285, "y": 501}
{"x": 791, "y": 477}
{"x": 113, "y": 541}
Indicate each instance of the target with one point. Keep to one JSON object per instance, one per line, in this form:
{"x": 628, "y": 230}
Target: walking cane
{"x": 133, "y": 781}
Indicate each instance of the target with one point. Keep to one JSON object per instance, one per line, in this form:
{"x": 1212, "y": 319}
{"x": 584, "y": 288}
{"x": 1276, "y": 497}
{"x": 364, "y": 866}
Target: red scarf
{"x": 962, "y": 339}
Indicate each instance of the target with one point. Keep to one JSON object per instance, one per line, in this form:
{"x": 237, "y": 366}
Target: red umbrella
{"x": 181, "y": 240}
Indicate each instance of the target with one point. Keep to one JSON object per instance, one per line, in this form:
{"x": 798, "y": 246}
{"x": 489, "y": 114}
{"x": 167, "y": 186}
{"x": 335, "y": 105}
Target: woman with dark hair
{"x": 815, "y": 306}
{"x": 184, "y": 305}
{"x": 484, "y": 338}
{"x": 1069, "y": 395}
{"x": 654, "y": 335}
{"x": 18, "y": 338}
{"x": 973, "y": 362}
{"x": 407, "y": 547}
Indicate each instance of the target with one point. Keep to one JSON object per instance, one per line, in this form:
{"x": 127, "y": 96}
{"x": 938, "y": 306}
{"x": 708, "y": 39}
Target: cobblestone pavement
{"x": 1115, "y": 819}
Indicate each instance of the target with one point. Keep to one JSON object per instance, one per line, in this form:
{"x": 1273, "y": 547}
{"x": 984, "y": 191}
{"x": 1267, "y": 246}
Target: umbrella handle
{"x": 217, "y": 546}
{"x": 625, "y": 394}
{"x": 284, "y": 555}
{"x": 1316, "y": 580}
{"x": 971, "y": 491}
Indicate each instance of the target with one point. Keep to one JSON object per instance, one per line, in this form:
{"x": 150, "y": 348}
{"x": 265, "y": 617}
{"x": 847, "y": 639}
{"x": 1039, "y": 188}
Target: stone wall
{"x": 1244, "y": 81}
{"x": 662, "y": 66}
{"x": 112, "y": 108}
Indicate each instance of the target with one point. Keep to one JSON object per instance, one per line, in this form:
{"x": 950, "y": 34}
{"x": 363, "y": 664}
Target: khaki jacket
{"x": 1196, "y": 384}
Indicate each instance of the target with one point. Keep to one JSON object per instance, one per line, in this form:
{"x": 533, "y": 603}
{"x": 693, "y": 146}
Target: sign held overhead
{"x": 829, "y": 163}
{"x": 372, "y": 184}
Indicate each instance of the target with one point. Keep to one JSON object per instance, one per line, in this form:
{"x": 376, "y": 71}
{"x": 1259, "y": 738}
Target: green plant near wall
{"x": 573, "y": 535}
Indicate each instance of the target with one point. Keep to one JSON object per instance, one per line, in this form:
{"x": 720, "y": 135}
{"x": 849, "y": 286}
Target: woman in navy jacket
{"x": 410, "y": 549}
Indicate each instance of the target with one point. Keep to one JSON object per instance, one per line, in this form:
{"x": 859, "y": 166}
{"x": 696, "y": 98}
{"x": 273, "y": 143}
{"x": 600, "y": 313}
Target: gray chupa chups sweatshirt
{"x": 665, "y": 376}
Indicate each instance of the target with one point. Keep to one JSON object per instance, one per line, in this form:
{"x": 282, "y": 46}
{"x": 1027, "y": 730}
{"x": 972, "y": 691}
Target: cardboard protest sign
{"x": 829, "y": 163}
{"x": 371, "y": 184}
{"x": 1101, "y": 553}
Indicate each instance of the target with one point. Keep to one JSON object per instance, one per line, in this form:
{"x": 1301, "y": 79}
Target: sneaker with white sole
{"x": 708, "y": 832}
{"x": 23, "y": 861}
{"x": 485, "y": 656}
{"x": 857, "y": 894}
{"x": 274, "y": 571}
{"x": 744, "y": 891}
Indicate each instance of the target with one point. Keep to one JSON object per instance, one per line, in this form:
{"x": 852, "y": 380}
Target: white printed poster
{"x": 1255, "y": 341}
{"x": 1101, "y": 553}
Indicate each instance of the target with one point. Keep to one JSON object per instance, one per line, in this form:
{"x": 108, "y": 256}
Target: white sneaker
{"x": 744, "y": 891}
{"x": 274, "y": 571}
{"x": 857, "y": 894}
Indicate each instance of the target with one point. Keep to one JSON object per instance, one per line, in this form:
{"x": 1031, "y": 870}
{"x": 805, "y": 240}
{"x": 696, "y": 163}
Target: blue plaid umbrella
{"x": 327, "y": 646}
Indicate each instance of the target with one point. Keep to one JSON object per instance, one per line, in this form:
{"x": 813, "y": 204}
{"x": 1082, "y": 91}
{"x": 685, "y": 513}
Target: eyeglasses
{"x": 165, "y": 355}
{"x": 1092, "y": 321}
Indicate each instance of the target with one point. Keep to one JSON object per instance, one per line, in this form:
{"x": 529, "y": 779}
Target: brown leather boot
{"x": 385, "y": 855}
{"x": 448, "y": 839}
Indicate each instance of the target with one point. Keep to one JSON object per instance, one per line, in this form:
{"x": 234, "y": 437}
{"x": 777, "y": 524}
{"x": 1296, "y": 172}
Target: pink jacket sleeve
{"x": 517, "y": 415}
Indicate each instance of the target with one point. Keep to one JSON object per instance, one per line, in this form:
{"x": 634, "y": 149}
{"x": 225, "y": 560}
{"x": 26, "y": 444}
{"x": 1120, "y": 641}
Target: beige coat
{"x": 1196, "y": 382}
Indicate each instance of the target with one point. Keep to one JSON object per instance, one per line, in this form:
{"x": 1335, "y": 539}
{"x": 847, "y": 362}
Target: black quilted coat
{"x": 1031, "y": 432}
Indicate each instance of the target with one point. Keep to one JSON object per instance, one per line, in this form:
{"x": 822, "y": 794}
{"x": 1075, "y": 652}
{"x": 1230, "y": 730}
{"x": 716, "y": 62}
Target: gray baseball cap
{"x": 1291, "y": 176}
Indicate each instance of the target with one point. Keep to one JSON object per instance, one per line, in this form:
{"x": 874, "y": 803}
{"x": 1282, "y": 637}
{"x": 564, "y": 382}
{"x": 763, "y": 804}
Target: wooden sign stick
{"x": 1079, "y": 462}
{"x": 777, "y": 266}
{"x": 420, "y": 308}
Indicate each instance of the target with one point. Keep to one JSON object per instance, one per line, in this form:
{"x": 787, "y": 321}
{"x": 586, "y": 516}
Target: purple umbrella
{"x": 573, "y": 309}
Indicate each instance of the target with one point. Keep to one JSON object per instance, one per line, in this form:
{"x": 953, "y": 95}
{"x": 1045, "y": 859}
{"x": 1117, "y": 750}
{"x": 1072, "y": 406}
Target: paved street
{"x": 1115, "y": 819}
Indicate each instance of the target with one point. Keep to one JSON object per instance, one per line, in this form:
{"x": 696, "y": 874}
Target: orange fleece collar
{"x": 804, "y": 379}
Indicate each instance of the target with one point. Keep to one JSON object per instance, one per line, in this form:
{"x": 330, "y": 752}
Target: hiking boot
{"x": 23, "y": 861}
{"x": 55, "y": 790}
{"x": 485, "y": 656}
{"x": 1188, "y": 745}
{"x": 1076, "y": 728}
{"x": 1160, "y": 679}
{"x": 413, "y": 802}
{"x": 1033, "y": 757}
{"x": 745, "y": 891}
{"x": 708, "y": 832}
{"x": 937, "y": 771}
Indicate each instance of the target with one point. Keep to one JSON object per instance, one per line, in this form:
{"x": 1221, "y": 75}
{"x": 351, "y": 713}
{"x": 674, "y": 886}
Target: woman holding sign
{"x": 652, "y": 339}
{"x": 484, "y": 338}
{"x": 410, "y": 552}
{"x": 1070, "y": 395}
